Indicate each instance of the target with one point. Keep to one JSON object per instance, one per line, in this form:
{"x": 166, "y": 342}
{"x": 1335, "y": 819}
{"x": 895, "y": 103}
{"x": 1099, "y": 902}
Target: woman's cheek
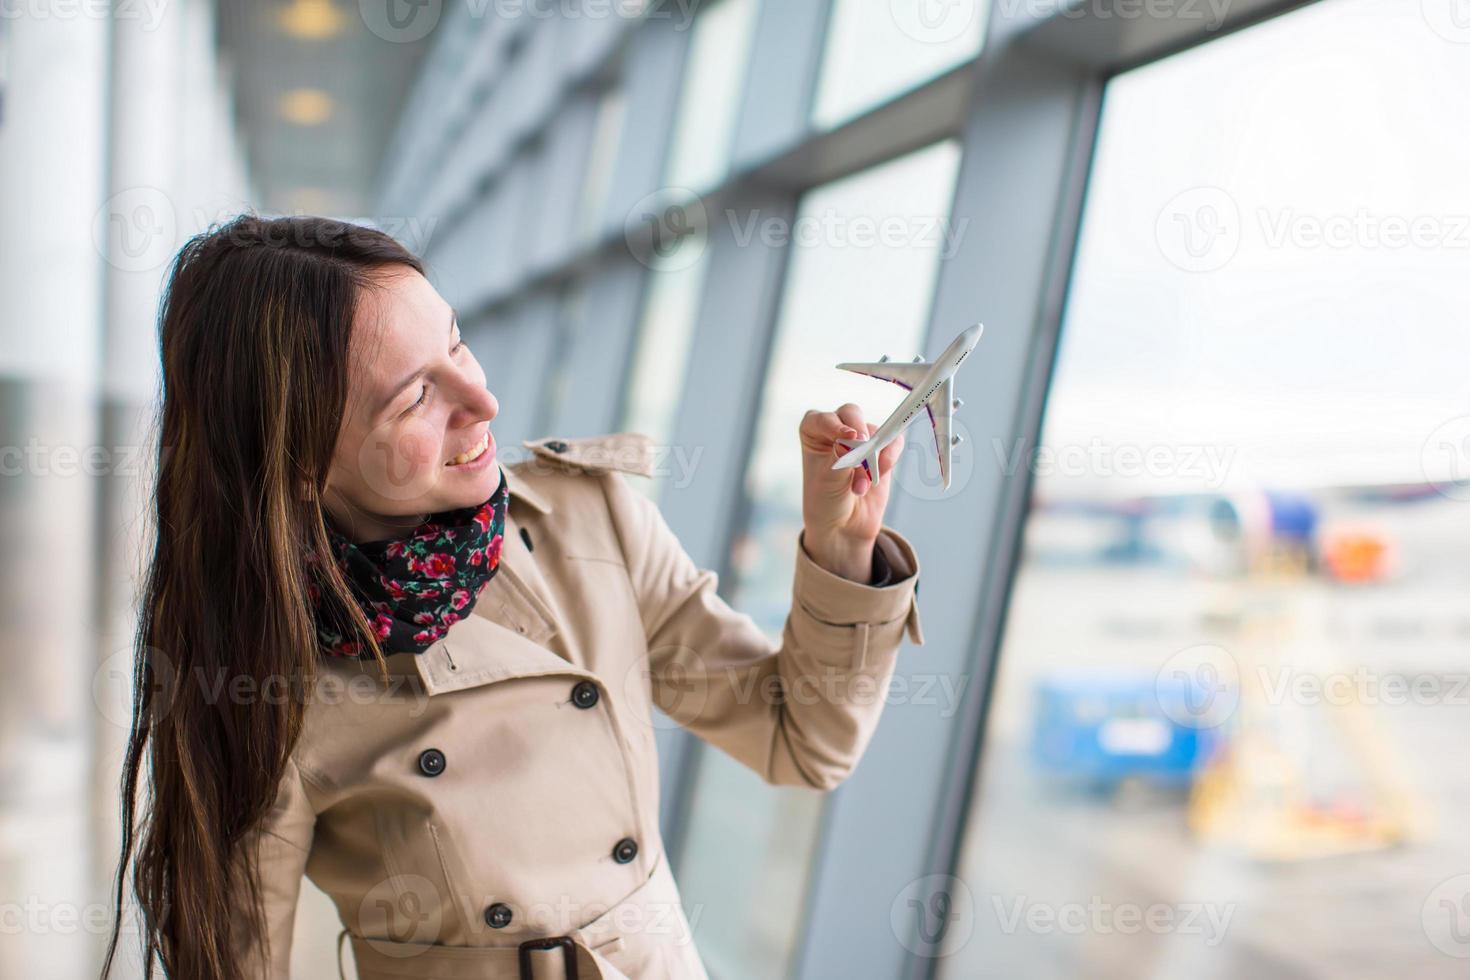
{"x": 400, "y": 462}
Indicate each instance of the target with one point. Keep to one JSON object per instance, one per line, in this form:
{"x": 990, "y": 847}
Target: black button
{"x": 526, "y": 537}
{"x": 557, "y": 446}
{"x": 431, "y": 762}
{"x": 584, "y": 695}
{"x": 625, "y": 850}
{"x": 497, "y": 916}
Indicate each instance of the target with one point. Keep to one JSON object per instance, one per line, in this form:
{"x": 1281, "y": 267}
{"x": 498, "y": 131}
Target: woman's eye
{"x": 457, "y": 346}
{"x": 423, "y": 394}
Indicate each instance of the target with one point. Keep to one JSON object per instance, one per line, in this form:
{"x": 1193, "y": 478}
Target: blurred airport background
{"x": 1197, "y": 654}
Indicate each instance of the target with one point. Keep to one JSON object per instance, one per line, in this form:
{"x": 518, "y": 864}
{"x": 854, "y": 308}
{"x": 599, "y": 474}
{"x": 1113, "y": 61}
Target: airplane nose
{"x": 972, "y": 335}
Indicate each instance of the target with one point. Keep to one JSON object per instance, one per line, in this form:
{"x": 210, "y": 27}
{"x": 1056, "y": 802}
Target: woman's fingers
{"x": 888, "y": 458}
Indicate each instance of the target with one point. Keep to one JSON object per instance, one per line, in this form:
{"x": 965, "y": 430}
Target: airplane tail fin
{"x": 859, "y": 452}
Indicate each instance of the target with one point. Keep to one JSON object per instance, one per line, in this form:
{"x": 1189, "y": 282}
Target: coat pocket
{"x": 428, "y": 903}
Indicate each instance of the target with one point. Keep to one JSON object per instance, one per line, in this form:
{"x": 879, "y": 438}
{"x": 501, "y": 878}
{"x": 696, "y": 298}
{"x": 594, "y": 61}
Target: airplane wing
{"x": 941, "y": 415}
{"x": 905, "y": 374}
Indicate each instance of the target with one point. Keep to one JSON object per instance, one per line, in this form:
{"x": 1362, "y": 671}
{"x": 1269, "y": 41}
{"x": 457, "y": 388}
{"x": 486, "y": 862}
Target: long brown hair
{"x": 255, "y": 328}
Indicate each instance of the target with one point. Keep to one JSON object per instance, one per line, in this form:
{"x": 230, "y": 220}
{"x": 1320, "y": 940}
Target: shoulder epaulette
{"x": 626, "y": 452}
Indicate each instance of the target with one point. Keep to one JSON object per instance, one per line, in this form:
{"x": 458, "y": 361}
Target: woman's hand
{"x": 841, "y": 509}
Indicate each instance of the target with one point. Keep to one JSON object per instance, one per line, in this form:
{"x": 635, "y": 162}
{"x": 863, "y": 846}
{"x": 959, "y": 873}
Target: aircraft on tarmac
{"x": 931, "y": 386}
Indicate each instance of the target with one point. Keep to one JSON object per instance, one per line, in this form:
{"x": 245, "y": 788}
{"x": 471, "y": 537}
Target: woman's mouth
{"x": 479, "y": 452}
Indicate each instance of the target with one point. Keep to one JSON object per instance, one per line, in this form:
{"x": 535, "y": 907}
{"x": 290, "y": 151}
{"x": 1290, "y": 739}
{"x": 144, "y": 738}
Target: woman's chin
{"x": 464, "y": 489}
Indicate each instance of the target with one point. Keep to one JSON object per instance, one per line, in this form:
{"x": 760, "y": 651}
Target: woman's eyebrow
{"x": 398, "y": 388}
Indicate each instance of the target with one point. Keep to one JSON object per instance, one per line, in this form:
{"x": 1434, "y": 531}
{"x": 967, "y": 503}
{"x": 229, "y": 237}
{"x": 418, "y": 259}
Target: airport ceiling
{"x": 318, "y": 95}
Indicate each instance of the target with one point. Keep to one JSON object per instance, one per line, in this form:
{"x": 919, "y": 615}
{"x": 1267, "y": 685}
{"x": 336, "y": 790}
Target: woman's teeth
{"x": 473, "y": 453}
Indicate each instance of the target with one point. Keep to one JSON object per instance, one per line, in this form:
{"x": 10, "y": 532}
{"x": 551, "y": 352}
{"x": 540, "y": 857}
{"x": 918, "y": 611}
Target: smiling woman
{"x": 351, "y": 667}
{"x": 415, "y": 438}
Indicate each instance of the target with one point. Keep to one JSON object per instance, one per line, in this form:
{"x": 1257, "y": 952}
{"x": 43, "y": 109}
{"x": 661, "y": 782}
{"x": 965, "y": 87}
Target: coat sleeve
{"x": 800, "y": 714}
{"x": 280, "y": 843}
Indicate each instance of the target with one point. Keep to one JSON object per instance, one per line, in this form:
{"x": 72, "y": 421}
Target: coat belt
{"x": 382, "y": 959}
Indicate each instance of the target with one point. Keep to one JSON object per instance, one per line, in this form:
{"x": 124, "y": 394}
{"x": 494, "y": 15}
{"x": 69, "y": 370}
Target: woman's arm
{"x": 800, "y": 714}
{"x": 280, "y": 844}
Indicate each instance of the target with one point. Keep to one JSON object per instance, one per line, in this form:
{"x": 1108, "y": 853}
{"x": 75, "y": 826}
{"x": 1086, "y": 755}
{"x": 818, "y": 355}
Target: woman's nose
{"x": 479, "y": 404}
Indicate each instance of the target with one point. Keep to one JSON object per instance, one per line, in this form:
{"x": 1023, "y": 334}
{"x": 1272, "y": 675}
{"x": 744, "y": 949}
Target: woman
{"x": 370, "y": 654}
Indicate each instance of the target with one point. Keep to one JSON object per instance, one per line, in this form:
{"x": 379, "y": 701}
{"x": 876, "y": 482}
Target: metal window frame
{"x": 1032, "y": 117}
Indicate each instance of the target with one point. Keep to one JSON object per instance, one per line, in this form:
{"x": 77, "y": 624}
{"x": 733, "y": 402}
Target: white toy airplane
{"x": 931, "y": 386}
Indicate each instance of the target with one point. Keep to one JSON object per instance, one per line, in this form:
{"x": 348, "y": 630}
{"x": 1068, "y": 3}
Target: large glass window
{"x": 607, "y": 135}
{"x": 1231, "y": 704}
{"x": 714, "y": 79}
{"x": 851, "y": 294}
{"x": 878, "y": 49}
{"x": 661, "y": 350}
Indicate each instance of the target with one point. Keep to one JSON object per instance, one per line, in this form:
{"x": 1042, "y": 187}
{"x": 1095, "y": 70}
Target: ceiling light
{"x": 312, "y": 20}
{"x": 306, "y": 106}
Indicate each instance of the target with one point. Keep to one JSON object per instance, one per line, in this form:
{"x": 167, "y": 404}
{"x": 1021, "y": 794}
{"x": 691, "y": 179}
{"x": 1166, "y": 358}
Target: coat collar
{"x": 479, "y": 651}
{"x": 476, "y": 651}
{"x": 521, "y": 490}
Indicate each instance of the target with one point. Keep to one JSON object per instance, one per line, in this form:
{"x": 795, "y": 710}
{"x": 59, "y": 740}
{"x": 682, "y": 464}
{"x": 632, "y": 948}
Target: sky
{"x": 1293, "y": 327}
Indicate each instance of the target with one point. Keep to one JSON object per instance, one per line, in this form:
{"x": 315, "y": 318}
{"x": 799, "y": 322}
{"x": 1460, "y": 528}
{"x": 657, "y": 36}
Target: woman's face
{"x": 415, "y": 437}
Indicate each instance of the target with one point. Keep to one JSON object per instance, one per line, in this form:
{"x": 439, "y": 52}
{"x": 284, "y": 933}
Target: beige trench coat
{"x": 502, "y": 786}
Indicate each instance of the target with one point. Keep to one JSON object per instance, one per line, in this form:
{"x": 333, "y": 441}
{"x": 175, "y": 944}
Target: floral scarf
{"x": 412, "y": 589}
